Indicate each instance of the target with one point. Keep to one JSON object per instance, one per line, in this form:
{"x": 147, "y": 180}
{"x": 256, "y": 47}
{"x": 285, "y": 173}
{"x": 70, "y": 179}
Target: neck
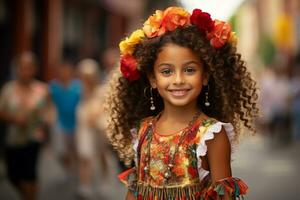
{"x": 24, "y": 83}
{"x": 179, "y": 114}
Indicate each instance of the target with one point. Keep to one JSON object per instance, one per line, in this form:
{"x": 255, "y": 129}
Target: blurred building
{"x": 267, "y": 28}
{"x": 57, "y": 29}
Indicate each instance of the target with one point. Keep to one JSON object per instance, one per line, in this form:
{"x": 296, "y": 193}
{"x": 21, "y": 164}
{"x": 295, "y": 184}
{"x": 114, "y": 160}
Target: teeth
{"x": 179, "y": 92}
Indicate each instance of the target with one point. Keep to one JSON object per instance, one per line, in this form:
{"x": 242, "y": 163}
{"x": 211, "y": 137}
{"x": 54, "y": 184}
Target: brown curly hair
{"x": 232, "y": 91}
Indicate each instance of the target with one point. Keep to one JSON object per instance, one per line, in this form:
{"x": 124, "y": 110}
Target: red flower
{"x": 129, "y": 67}
{"x": 202, "y": 20}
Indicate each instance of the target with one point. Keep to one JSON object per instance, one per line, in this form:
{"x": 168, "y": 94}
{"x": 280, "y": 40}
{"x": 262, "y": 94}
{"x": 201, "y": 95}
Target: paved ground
{"x": 270, "y": 170}
{"x": 56, "y": 185}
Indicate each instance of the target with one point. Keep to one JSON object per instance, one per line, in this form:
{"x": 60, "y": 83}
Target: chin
{"x": 180, "y": 102}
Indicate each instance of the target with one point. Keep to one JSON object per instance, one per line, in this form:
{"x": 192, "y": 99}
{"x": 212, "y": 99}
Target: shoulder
{"x": 7, "y": 89}
{"x": 144, "y": 124}
{"x": 139, "y": 131}
{"x": 215, "y": 133}
{"x": 9, "y": 85}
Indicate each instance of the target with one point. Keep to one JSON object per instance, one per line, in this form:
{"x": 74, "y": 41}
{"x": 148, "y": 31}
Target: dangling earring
{"x": 206, "y": 97}
{"x": 152, "y": 107}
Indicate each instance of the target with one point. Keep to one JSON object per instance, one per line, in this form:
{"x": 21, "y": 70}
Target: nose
{"x": 179, "y": 78}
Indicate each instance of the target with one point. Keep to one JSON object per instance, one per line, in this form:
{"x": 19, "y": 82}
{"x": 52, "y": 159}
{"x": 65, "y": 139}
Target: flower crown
{"x": 217, "y": 32}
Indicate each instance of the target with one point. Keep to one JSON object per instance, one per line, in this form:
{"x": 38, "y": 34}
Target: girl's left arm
{"x": 218, "y": 154}
{"x": 224, "y": 186}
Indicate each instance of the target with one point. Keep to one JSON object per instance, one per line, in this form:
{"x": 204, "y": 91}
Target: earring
{"x": 206, "y": 97}
{"x": 152, "y": 107}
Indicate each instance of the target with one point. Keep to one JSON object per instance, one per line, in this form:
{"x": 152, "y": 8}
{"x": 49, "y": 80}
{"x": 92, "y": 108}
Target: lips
{"x": 179, "y": 92}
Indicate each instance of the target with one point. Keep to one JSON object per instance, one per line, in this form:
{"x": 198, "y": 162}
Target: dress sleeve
{"x": 129, "y": 178}
{"x": 207, "y": 132}
{"x": 235, "y": 188}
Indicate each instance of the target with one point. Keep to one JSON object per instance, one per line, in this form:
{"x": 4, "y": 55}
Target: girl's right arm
{"x": 130, "y": 196}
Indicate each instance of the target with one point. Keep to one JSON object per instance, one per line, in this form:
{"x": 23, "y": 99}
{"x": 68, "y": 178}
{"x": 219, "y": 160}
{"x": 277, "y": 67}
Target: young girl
{"x": 178, "y": 106}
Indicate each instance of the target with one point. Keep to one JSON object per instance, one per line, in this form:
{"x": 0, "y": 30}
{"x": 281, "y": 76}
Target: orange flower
{"x": 168, "y": 20}
{"x": 175, "y": 17}
{"x": 220, "y": 34}
{"x": 152, "y": 27}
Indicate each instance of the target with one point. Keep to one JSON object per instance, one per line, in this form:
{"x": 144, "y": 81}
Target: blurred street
{"x": 57, "y": 58}
{"x": 269, "y": 169}
{"x": 56, "y": 185}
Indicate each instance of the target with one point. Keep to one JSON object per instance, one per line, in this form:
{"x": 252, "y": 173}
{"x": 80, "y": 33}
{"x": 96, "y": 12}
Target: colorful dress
{"x": 169, "y": 166}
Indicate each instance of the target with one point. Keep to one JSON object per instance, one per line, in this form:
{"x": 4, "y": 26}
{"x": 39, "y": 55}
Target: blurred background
{"x": 55, "y": 57}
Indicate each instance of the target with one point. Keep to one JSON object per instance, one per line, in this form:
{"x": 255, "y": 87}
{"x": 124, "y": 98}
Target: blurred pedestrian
{"x": 65, "y": 92}
{"x": 22, "y": 107}
{"x": 109, "y": 60}
{"x": 91, "y": 140}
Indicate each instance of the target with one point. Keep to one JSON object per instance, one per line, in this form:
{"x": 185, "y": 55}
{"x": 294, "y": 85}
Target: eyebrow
{"x": 186, "y": 63}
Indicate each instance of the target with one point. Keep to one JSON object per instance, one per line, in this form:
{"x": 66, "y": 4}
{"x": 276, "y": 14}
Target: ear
{"x": 152, "y": 80}
{"x": 205, "y": 79}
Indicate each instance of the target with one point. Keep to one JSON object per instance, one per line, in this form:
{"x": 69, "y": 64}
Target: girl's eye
{"x": 189, "y": 70}
{"x": 166, "y": 72}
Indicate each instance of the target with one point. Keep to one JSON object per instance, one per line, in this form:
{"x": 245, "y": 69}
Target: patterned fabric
{"x": 186, "y": 181}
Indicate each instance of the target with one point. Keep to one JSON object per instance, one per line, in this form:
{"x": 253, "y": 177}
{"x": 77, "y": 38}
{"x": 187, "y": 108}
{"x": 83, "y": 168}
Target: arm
{"x": 130, "y": 196}
{"x": 218, "y": 152}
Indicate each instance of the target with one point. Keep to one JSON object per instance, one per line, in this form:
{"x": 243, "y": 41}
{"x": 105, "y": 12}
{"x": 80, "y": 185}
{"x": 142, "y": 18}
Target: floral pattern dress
{"x": 169, "y": 166}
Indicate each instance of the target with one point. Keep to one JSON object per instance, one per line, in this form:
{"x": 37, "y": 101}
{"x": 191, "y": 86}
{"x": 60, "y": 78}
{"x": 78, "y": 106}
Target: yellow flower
{"x": 233, "y": 38}
{"x": 127, "y": 46}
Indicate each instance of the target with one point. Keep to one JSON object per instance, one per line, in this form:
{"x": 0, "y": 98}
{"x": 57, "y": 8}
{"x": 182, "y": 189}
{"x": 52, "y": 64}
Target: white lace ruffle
{"x": 209, "y": 135}
{"x": 135, "y": 143}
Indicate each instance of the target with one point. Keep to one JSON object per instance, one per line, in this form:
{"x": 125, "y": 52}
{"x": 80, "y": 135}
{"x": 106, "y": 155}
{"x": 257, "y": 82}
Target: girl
{"x": 178, "y": 105}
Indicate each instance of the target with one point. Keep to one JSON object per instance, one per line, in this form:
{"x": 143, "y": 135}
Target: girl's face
{"x": 178, "y": 75}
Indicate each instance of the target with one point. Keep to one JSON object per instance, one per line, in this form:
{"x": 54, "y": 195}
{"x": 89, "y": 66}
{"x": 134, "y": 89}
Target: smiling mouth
{"x": 179, "y": 93}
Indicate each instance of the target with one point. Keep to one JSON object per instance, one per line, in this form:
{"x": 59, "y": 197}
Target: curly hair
{"x": 232, "y": 91}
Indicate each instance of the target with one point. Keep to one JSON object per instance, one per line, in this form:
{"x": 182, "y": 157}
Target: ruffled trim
{"x": 129, "y": 178}
{"x": 135, "y": 143}
{"x": 209, "y": 135}
{"x": 234, "y": 187}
